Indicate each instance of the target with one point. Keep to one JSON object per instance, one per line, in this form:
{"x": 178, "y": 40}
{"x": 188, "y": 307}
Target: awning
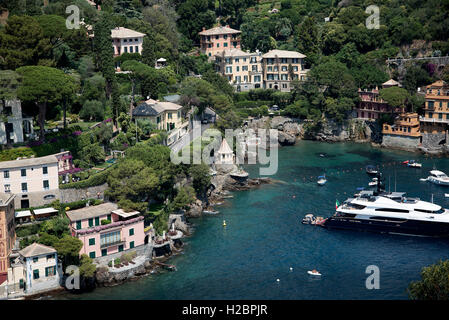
{"x": 124, "y": 214}
{"x": 38, "y": 212}
{"x": 23, "y": 214}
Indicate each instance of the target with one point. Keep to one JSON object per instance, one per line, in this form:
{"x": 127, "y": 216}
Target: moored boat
{"x": 322, "y": 180}
{"x": 390, "y": 212}
{"x": 438, "y": 177}
{"x": 371, "y": 170}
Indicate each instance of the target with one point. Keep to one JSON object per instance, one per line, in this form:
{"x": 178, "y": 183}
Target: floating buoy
{"x": 277, "y": 280}
{"x": 291, "y": 269}
{"x": 224, "y": 223}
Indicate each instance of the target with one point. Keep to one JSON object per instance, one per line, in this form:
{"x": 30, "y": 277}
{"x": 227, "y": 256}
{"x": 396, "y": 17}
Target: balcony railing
{"x": 433, "y": 120}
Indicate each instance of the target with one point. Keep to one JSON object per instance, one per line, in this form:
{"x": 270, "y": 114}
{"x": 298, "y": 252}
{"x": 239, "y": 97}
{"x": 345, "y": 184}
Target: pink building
{"x": 219, "y": 39}
{"x": 122, "y": 230}
{"x": 372, "y": 106}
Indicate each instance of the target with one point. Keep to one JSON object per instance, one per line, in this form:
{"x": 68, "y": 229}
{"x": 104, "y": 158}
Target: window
{"x": 7, "y": 188}
{"x": 283, "y": 60}
{"x": 237, "y": 69}
{"x": 104, "y": 252}
{"x": 284, "y": 68}
{"x": 136, "y": 40}
{"x": 24, "y": 187}
{"x": 225, "y": 44}
{"x": 170, "y": 115}
{"x": 23, "y": 172}
{"x": 256, "y": 78}
{"x": 44, "y": 170}
{"x": 92, "y": 255}
{"x": 136, "y": 49}
{"x": 217, "y": 37}
{"x": 228, "y": 69}
{"x": 284, "y": 77}
{"x": 92, "y": 241}
{"x": 35, "y": 274}
{"x": 440, "y": 116}
{"x": 91, "y": 222}
{"x": 110, "y": 238}
{"x": 46, "y": 185}
{"x": 245, "y": 68}
{"x": 218, "y": 45}
{"x": 225, "y": 36}
{"x": 49, "y": 257}
{"x": 35, "y": 259}
{"x": 50, "y": 271}
{"x": 276, "y": 69}
{"x": 109, "y": 217}
{"x": 131, "y": 49}
{"x": 131, "y": 244}
{"x": 131, "y": 231}
{"x": 254, "y": 68}
{"x": 237, "y": 60}
{"x": 97, "y": 221}
{"x": 120, "y": 248}
{"x": 78, "y": 225}
{"x": 234, "y": 44}
{"x": 6, "y": 174}
{"x": 126, "y": 49}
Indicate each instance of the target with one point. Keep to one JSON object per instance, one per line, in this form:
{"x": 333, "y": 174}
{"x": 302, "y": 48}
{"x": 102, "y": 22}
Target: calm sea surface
{"x": 264, "y": 236}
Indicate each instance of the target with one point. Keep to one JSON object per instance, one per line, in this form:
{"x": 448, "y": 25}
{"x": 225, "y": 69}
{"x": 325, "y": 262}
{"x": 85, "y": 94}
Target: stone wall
{"x": 400, "y": 142}
{"x": 71, "y": 195}
{"x": 144, "y": 250}
{"x": 432, "y": 140}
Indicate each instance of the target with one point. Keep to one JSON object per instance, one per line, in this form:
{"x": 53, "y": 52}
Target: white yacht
{"x": 390, "y": 212}
{"x": 438, "y": 177}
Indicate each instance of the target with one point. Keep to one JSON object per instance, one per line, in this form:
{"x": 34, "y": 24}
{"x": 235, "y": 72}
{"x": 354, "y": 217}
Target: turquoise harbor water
{"x": 264, "y": 236}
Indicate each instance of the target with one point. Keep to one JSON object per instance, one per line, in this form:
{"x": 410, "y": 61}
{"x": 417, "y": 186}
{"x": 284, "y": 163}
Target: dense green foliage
{"x": 434, "y": 284}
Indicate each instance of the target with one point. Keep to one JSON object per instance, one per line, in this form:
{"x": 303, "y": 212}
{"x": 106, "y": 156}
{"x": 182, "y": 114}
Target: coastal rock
{"x": 196, "y": 209}
{"x": 286, "y": 139}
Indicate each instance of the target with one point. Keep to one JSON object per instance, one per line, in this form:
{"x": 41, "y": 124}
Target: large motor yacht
{"x": 390, "y": 212}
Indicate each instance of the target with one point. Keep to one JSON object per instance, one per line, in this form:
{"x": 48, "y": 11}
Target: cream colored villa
{"x": 242, "y": 69}
{"x": 280, "y": 67}
{"x": 275, "y": 69}
{"x": 126, "y": 41}
{"x": 166, "y": 115}
{"x": 34, "y": 181}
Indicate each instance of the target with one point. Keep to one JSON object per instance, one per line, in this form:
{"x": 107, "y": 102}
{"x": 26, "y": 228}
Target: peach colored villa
{"x": 122, "y": 230}
{"x": 7, "y": 233}
{"x": 218, "y": 39}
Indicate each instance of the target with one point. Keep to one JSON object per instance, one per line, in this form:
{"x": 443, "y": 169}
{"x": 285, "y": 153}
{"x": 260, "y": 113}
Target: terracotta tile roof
{"x": 283, "y": 54}
{"x": 218, "y": 30}
{"x": 36, "y": 249}
{"x": 121, "y": 32}
{"x": 91, "y": 211}
{"x": 28, "y": 162}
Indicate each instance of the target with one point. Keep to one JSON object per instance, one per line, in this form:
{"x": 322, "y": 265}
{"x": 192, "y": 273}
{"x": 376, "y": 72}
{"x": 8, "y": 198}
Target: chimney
{"x": 204, "y": 29}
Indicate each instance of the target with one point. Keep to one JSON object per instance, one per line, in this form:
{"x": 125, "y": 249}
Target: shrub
{"x": 105, "y": 222}
{"x": 13, "y": 154}
{"x": 94, "y": 180}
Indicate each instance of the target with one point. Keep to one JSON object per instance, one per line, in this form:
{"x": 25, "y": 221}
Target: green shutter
{"x": 131, "y": 231}
{"x": 131, "y": 244}
{"x": 92, "y": 241}
{"x": 91, "y": 222}
{"x": 97, "y": 221}
{"x": 109, "y": 217}
{"x": 92, "y": 255}
{"x": 120, "y": 248}
{"x": 104, "y": 252}
{"x": 78, "y": 225}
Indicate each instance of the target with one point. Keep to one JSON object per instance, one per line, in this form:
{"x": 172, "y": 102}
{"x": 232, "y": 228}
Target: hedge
{"x": 94, "y": 180}
{"x": 81, "y": 203}
{"x": 252, "y": 104}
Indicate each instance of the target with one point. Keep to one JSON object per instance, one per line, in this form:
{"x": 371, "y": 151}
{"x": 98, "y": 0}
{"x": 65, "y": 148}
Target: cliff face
{"x": 290, "y": 130}
{"x": 350, "y": 130}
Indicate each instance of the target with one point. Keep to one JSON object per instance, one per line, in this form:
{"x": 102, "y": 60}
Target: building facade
{"x": 372, "y": 106}
{"x": 36, "y": 269}
{"x": 218, "y": 39}
{"x": 165, "y": 115}
{"x": 7, "y": 233}
{"x": 34, "y": 181}
{"x": 404, "y": 133}
{"x": 105, "y": 229}
{"x": 242, "y": 69}
{"x": 275, "y": 69}
{"x": 435, "y": 121}
{"x": 126, "y": 41}
{"x": 14, "y": 128}
{"x": 281, "y": 67}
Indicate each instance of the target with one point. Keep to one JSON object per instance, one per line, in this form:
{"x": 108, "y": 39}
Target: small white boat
{"x": 438, "y": 177}
{"x": 423, "y": 179}
{"x": 446, "y": 195}
{"x": 322, "y": 180}
{"x": 210, "y": 212}
{"x": 314, "y": 273}
{"x": 413, "y": 164}
{"x": 373, "y": 182}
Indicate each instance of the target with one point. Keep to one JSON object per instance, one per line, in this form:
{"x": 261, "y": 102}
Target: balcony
{"x": 433, "y": 120}
{"x": 111, "y": 244}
